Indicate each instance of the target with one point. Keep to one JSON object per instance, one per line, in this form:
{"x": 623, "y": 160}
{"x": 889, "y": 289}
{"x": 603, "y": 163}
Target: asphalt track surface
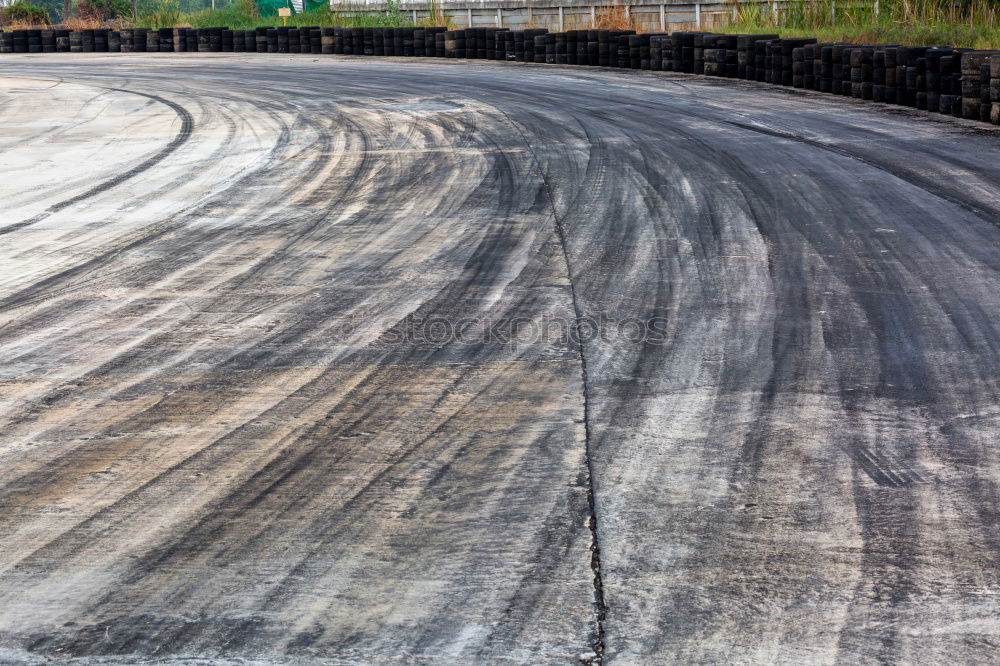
{"x": 228, "y": 433}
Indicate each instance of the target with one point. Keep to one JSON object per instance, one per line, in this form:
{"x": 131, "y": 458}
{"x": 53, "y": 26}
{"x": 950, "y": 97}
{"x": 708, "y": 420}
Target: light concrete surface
{"x": 223, "y": 440}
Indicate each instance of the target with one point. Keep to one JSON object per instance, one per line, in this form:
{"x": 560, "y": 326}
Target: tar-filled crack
{"x": 600, "y": 606}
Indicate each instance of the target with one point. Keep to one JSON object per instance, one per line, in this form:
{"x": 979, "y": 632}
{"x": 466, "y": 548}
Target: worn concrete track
{"x": 290, "y": 367}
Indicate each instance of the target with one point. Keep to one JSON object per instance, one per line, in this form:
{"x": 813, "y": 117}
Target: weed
{"x": 972, "y": 23}
{"x": 615, "y": 17}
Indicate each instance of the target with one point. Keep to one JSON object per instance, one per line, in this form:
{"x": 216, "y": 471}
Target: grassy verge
{"x": 244, "y": 15}
{"x": 237, "y": 19}
{"x": 973, "y": 23}
{"x": 964, "y": 23}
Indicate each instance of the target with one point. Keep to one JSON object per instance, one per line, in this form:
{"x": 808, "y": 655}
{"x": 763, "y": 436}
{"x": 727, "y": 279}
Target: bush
{"x": 53, "y": 7}
{"x": 103, "y": 10}
{"x": 23, "y": 12}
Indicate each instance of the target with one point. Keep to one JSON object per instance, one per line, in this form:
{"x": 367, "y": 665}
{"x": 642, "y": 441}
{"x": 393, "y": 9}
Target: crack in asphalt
{"x": 600, "y": 603}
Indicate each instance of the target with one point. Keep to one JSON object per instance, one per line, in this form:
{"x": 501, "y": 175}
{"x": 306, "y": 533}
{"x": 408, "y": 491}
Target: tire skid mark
{"x": 882, "y": 578}
{"x": 907, "y": 175}
{"x": 194, "y": 244}
{"x": 480, "y": 264}
{"x": 187, "y": 127}
{"x": 31, "y": 484}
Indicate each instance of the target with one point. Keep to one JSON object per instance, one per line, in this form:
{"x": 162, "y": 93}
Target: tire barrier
{"x": 48, "y": 41}
{"x": 959, "y": 82}
{"x": 995, "y": 89}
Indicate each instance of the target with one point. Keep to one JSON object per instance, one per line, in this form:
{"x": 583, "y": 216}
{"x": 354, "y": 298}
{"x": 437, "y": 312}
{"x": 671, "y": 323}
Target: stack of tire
{"x": 939, "y": 79}
{"x": 732, "y": 55}
{"x": 587, "y": 47}
{"x": 509, "y": 45}
{"x": 846, "y": 71}
{"x": 995, "y": 89}
{"x": 747, "y": 59}
{"x": 503, "y": 44}
{"x": 499, "y": 43}
{"x": 713, "y": 55}
{"x": 798, "y": 67}
{"x": 632, "y": 58}
{"x": 19, "y": 41}
{"x": 949, "y": 74}
{"x": 524, "y": 46}
{"x": 454, "y": 44}
{"x": 862, "y": 71}
{"x": 572, "y": 47}
{"x": 932, "y": 81}
{"x": 33, "y": 41}
{"x": 385, "y": 41}
{"x": 879, "y": 74}
{"x": 645, "y": 57}
{"x": 976, "y": 76}
{"x": 910, "y": 65}
{"x": 773, "y": 64}
{"x": 763, "y": 60}
{"x": 809, "y": 67}
{"x": 309, "y": 40}
{"x": 389, "y": 42}
{"x": 698, "y": 52}
{"x": 558, "y": 49}
{"x": 48, "y": 40}
{"x": 581, "y": 51}
{"x": 62, "y": 40}
{"x": 593, "y": 48}
{"x": 485, "y": 42}
{"x": 547, "y": 53}
{"x": 787, "y": 70}
{"x": 659, "y": 45}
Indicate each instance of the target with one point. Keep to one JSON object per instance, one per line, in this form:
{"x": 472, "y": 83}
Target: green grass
{"x": 239, "y": 20}
{"x": 243, "y": 16}
{"x": 974, "y": 24}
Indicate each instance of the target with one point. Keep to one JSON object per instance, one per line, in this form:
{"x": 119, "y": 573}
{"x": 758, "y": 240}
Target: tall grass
{"x": 436, "y": 16}
{"x": 614, "y": 17}
{"x": 164, "y": 14}
{"x": 971, "y": 23}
